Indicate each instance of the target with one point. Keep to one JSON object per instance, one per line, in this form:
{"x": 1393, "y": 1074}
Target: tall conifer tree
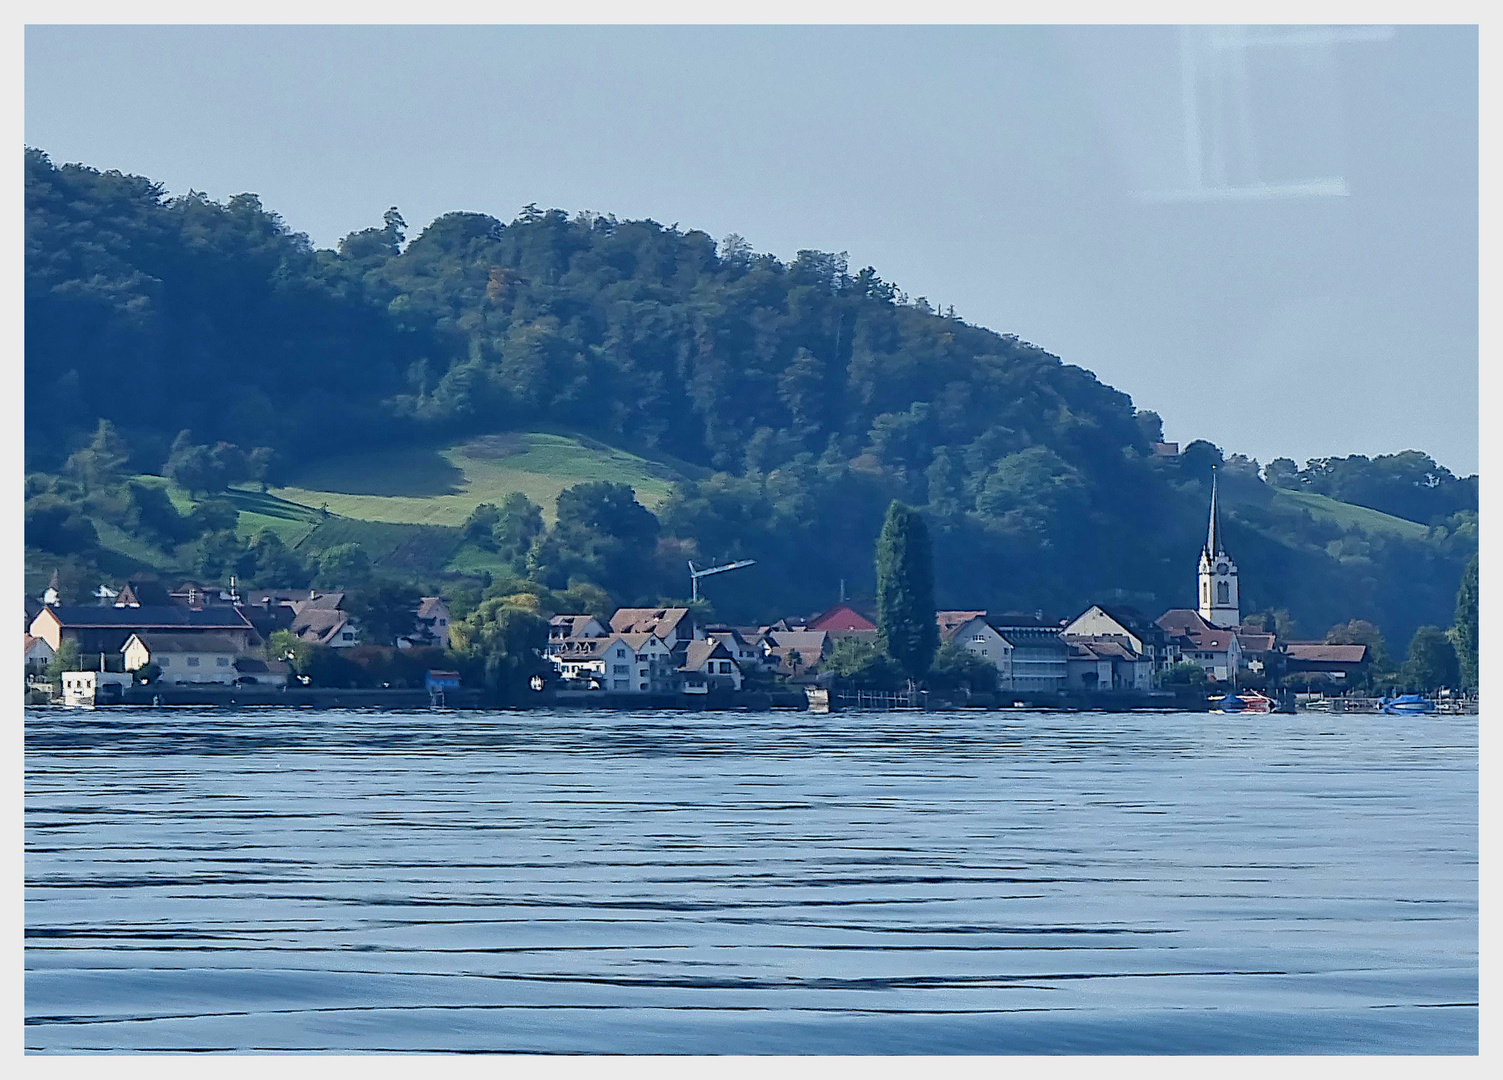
{"x": 905, "y": 591}
{"x": 1464, "y": 633}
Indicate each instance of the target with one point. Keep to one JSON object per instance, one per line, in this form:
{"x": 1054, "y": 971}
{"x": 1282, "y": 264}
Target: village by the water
{"x": 151, "y": 643}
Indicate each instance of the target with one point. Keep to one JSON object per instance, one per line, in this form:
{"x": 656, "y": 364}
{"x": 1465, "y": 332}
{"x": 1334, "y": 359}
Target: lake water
{"x": 979, "y": 883}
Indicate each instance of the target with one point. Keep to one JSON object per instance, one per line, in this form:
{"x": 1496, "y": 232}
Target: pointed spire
{"x": 1213, "y": 531}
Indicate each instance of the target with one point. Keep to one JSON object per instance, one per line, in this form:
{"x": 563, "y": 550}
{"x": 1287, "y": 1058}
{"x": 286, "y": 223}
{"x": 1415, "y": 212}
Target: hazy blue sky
{"x": 1127, "y": 198}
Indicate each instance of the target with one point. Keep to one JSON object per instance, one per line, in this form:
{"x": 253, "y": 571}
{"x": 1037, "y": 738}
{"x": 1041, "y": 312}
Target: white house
{"x": 184, "y": 658}
{"x": 971, "y": 631}
{"x": 562, "y": 628}
{"x": 621, "y": 663}
{"x": 745, "y": 653}
{"x": 709, "y": 664}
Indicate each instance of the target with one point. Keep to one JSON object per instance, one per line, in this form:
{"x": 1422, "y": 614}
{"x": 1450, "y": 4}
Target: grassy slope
{"x": 290, "y": 521}
{"x": 1348, "y": 516}
{"x": 442, "y": 486}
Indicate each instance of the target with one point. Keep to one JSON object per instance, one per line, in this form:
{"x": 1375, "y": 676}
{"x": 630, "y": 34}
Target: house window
{"x": 222, "y": 661}
{"x": 620, "y": 684}
{"x": 193, "y": 661}
{"x": 621, "y": 669}
{"x": 347, "y": 636}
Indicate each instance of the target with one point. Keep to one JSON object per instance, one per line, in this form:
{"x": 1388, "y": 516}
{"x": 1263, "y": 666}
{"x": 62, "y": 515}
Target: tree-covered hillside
{"x": 813, "y": 395}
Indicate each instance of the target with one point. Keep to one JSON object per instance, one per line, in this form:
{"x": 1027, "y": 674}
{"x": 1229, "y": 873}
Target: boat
{"x": 1406, "y": 704}
{"x": 1248, "y": 701}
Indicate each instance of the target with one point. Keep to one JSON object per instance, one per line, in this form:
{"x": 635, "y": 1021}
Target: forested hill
{"x": 812, "y": 396}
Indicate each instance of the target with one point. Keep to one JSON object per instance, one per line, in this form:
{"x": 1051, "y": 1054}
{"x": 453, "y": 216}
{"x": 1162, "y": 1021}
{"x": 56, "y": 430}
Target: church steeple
{"x": 1214, "y": 545}
{"x": 1219, "y": 603}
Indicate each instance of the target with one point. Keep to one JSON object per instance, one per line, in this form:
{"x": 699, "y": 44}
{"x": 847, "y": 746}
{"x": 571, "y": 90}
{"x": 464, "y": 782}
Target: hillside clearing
{"x": 1348, "y": 515}
{"x": 442, "y": 486}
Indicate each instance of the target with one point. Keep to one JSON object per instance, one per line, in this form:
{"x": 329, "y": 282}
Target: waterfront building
{"x": 622, "y": 663}
{"x": 1214, "y": 648}
{"x": 676, "y": 626}
{"x": 709, "y": 664}
{"x": 562, "y": 628}
{"x": 1106, "y": 662}
{"x": 184, "y": 658}
{"x": 1143, "y": 635}
{"x": 971, "y": 631}
{"x": 97, "y": 629}
{"x": 1040, "y": 657}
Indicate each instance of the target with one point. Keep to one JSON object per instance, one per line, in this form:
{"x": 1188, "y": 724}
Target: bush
{"x": 956, "y": 667}
{"x": 1185, "y": 673}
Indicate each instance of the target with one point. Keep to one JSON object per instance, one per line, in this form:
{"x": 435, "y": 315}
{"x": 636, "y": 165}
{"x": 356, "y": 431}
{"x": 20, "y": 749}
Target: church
{"x": 1219, "y": 604}
{"x": 1209, "y": 634}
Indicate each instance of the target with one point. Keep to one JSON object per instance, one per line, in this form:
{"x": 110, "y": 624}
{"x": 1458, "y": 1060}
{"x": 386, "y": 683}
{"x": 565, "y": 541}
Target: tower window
{"x": 1223, "y": 593}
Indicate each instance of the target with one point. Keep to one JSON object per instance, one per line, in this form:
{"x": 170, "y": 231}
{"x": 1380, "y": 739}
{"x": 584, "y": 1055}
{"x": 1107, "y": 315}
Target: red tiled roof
{"x": 841, "y": 617}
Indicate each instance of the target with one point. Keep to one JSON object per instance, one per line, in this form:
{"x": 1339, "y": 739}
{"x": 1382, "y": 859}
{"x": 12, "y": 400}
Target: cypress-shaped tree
{"x": 905, "y": 591}
{"x": 1464, "y": 633}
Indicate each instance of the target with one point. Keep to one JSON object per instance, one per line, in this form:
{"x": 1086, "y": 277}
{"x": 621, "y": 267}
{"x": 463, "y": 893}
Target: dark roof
{"x": 1321, "y": 653}
{"x": 180, "y": 643}
{"x": 150, "y": 617}
{"x": 1020, "y": 620}
{"x": 141, "y": 592}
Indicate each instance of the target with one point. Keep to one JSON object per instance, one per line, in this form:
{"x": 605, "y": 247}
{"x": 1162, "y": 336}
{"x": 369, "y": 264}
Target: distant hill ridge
{"x": 799, "y": 397}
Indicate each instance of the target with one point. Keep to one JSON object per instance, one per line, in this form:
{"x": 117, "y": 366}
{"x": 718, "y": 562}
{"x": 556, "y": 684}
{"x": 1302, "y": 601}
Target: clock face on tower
{"x": 1221, "y": 568}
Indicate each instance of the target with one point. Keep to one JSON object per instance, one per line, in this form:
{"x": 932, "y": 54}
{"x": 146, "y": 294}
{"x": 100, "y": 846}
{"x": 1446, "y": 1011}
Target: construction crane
{"x": 695, "y": 575}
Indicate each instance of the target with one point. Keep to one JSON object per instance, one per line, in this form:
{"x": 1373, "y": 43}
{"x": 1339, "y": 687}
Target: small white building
{"x": 184, "y": 658}
{"x": 85, "y": 689}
